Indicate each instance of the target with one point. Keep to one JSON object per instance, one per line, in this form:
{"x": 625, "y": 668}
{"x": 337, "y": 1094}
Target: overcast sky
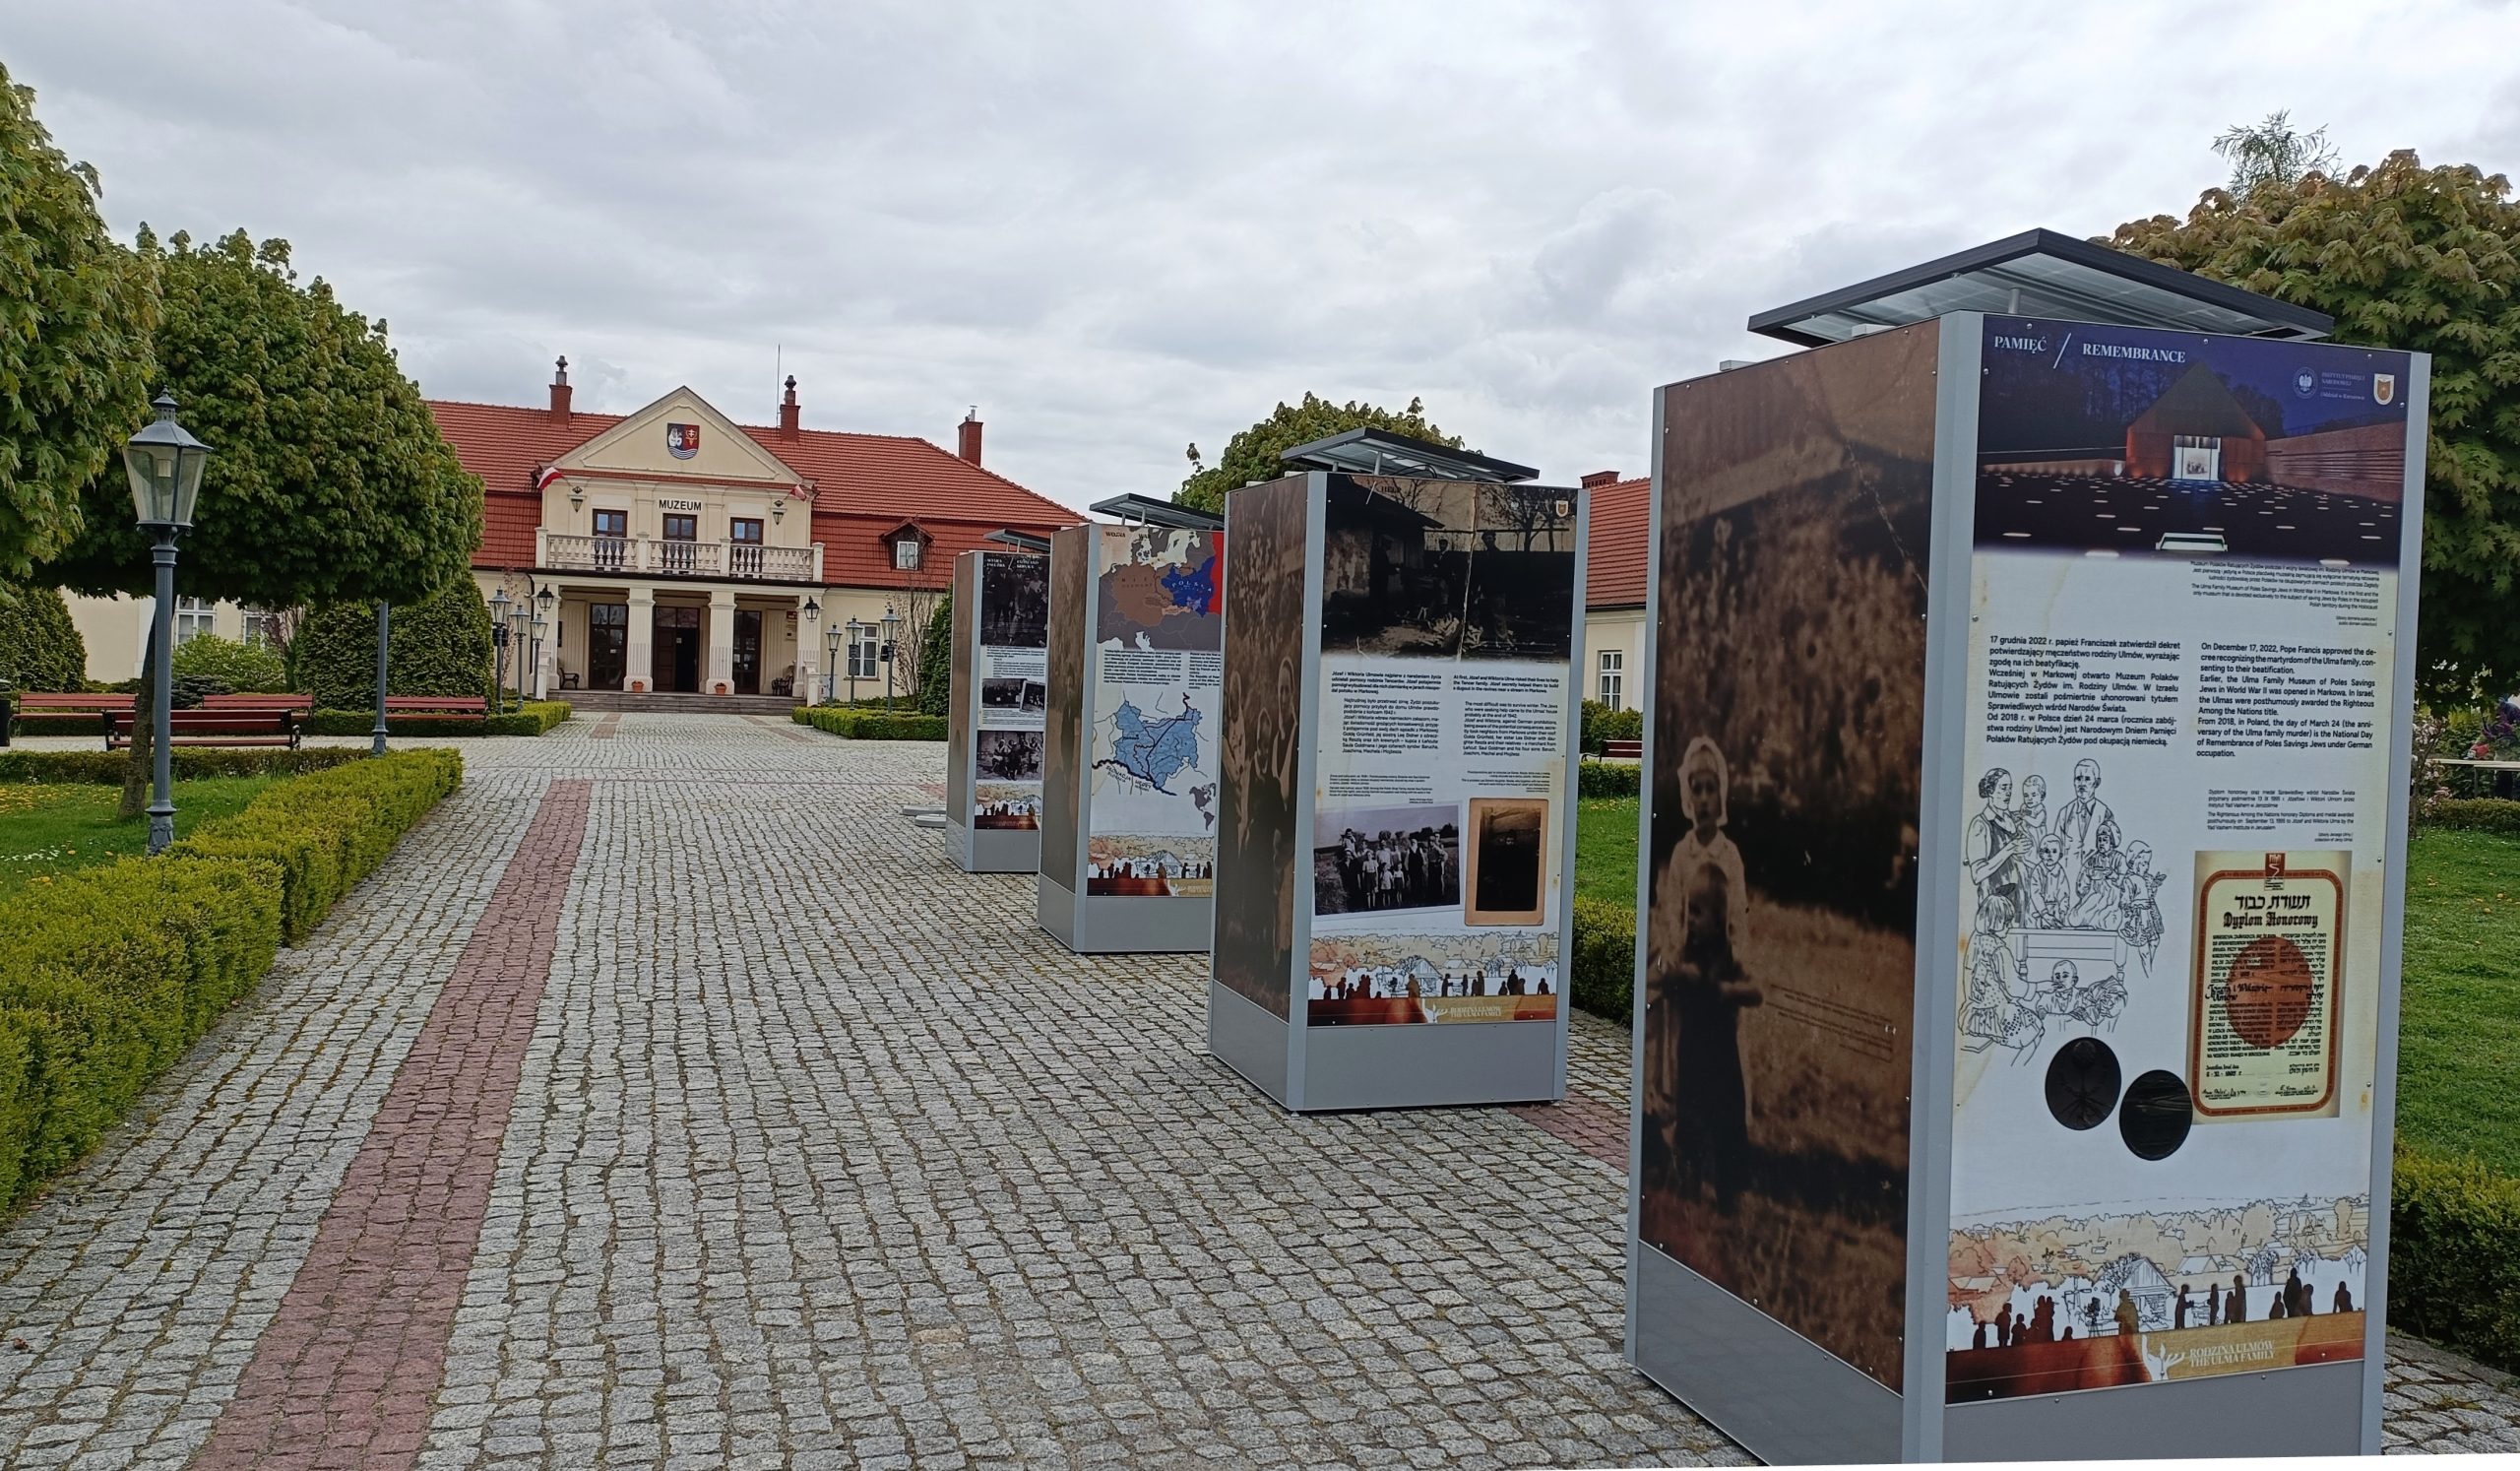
{"x": 1121, "y": 229}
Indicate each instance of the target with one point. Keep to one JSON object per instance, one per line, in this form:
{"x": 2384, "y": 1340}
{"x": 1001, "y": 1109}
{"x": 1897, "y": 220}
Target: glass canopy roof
{"x": 1382, "y": 452}
{"x": 1021, "y": 541}
{"x": 1152, "y": 512}
{"x": 2041, "y": 274}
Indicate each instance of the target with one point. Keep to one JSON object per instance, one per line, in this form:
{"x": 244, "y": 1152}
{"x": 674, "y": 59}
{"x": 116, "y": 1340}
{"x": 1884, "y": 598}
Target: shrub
{"x": 1602, "y": 981}
{"x": 1608, "y": 779}
{"x": 39, "y": 646}
{"x": 1604, "y": 724}
{"x": 870, "y": 725}
{"x": 936, "y": 660}
{"x": 250, "y": 668}
{"x": 2485, "y": 814}
{"x": 533, "y": 718}
{"x": 327, "y": 831}
{"x": 2454, "y": 1255}
{"x": 106, "y": 975}
{"x": 104, "y": 768}
{"x": 187, "y": 691}
{"x": 437, "y": 646}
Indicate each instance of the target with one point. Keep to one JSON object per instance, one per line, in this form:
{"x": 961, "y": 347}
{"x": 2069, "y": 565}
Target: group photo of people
{"x": 2063, "y": 907}
{"x": 1394, "y": 857}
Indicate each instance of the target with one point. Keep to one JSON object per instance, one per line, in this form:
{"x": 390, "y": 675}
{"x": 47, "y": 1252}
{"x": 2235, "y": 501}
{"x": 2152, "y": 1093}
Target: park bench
{"x": 274, "y": 725}
{"x": 1623, "y": 750}
{"x": 72, "y": 704}
{"x": 436, "y": 707}
{"x": 301, "y": 703}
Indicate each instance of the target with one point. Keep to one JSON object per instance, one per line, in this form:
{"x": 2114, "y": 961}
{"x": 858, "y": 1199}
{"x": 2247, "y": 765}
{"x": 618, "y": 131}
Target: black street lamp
{"x": 813, "y": 610}
{"x": 892, "y": 634}
{"x": 518, "y": 617}
{"x": 165, "y": 463}
{"x": 542, "y": 602}
{"x": 499, "y": 652}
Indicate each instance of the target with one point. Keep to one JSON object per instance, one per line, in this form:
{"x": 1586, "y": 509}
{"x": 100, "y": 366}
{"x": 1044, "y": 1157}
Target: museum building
{"x": 686, "y": 554}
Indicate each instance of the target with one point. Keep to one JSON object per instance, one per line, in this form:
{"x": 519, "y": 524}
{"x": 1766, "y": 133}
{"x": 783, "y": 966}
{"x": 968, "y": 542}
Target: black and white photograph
{"x": 1009, "y": 755}
{"x": 1368, "y": 859}
{"x": 1447, "y": 569}
{"x": 1015, "y": 694}
{"x": 1015, "y": 600}
{"x": 1508, "y": 861}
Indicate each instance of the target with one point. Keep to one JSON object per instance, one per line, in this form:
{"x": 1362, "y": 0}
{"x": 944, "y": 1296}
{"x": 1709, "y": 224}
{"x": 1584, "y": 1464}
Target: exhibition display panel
{"x": 2021, "y": 889}
{"x": 1394, "y": 882}
{"x": 1129, "y": 780}
{"x": 993, "y": 728}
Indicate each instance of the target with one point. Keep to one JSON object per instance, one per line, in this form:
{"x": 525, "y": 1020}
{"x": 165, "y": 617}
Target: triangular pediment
{"x": 652, "y": 441}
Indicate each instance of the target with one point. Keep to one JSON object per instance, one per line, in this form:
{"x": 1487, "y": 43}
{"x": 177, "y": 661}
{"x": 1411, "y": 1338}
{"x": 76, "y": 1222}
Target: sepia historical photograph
{"x": 1447, "y": 569}
{"x": 1780, "y": 942}
{"x": 1508, "y": 869}
{"x": 1256, "y": 838}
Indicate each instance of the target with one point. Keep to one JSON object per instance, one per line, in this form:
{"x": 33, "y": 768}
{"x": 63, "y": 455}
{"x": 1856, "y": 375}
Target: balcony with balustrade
{"x": 655, "y": 557}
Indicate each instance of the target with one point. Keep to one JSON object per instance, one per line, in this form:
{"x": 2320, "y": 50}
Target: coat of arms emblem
{"x": 682, "y": 441}
{"x": 2384, "y": 388}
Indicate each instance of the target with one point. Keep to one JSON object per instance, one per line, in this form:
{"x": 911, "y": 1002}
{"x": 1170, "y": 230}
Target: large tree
{"x": 1252, "y": 455}
{"x": 75, "y": 313}
{"x": 2423, "y": 260}
{"x": 328, "y": 479}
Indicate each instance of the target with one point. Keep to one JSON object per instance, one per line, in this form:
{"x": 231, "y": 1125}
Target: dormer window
{"x": 905, "y": 555}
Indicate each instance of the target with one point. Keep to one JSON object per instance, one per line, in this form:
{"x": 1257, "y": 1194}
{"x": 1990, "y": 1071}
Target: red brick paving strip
{"x": 347, "y": 1371}
{"x": 606, "y": 728}
{"x": 1588, "y": 1123}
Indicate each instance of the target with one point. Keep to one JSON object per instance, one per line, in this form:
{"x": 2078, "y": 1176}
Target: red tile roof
{"x": 1615, "y": 549}
{"x": 864, "y": 485}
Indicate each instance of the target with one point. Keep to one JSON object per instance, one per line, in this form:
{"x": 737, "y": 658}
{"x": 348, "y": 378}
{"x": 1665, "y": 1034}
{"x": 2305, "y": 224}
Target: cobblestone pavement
{"x": 819, "y": 1154}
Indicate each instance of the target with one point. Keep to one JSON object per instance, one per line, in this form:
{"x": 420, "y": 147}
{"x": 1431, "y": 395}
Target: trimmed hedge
{"x": 533, "y": 718}
{"x": 106, "y": 768}
{"x": 870, "y": 725}
{"x": 1608, "y": 779}
{"x": 326, "y": 832}
{"x": 437, "y": 646}
{"x": 1603, "y": 980}
{"x": 2454, "y": 1255}
{"x": 2483, "y": 814}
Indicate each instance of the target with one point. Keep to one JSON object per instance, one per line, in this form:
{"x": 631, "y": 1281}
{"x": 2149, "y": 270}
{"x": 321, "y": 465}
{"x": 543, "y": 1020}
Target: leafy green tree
{"x": 1252, "y": 455}
{"x": 39, "y": 646}
{"x": 249, "y": 668}
{"x": 328, "y": 479}
{"x": 437, "y": 646}
{"x": 75, "y": 310}
{"x": 2421, "y": 260}
{"x": 2273, "y": 152}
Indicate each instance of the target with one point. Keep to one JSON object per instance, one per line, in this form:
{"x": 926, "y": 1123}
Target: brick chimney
{"x": 560, "y": 392}
{"x": 1600, "y": 478}
{"x": 968, "y": 441}
{"x": 788, "y": 410}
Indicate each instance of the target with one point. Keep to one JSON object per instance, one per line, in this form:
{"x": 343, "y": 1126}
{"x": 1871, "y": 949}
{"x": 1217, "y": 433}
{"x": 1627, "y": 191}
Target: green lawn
{"x": 53, "y": 829}
{"x": 2459, "y": 1024}
{"x": 1606, "y": 849}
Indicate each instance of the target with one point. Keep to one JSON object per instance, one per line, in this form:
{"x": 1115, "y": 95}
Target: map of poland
{"x": 1153, "y": 750}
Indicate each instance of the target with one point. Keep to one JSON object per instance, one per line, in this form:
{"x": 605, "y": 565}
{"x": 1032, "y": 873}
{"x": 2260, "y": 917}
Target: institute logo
{"x": 682, "y": 441}
{"x": 2306, "y": 382}
{"x": 2384, "y": 388}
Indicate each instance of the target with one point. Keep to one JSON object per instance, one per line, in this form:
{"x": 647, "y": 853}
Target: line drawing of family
{"x": 1697, "y": 1096}
{"x": 2070, "y": 894}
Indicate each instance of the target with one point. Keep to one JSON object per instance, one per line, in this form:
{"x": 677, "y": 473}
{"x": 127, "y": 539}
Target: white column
{"x": 640, "y": 662}
{"x": 722, "y": 642}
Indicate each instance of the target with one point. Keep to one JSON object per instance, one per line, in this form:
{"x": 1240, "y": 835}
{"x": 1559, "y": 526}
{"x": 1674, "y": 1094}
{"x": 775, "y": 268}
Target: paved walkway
{"x": 667, "y": 1099}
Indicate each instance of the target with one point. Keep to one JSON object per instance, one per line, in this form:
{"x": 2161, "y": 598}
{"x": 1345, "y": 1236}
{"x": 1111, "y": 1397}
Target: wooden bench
{"x": 1623, "y": 750}
{"x": 436, "y": 707}
{"x": 203, "y": 726}
{"x": 73, "y": 704}
{"x": 301, "y": 703}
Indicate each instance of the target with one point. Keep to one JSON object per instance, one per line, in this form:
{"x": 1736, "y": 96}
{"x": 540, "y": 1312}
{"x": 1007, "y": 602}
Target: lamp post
{"x": 856, "y": 638}
{"x": 165, "y": 465}
{"x": 517, "y": 620}
{"x": 384, "y": 621}
{"x": 542, "y": 602}
{"x": 891, "y": 646}
{"x": 499, "y": 652}
{"x": 805, "y": 645}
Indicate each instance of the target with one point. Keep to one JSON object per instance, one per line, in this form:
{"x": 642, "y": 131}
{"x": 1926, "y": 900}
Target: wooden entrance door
{"x": 677, "y": 654}
{"x": 607, "y": 644}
